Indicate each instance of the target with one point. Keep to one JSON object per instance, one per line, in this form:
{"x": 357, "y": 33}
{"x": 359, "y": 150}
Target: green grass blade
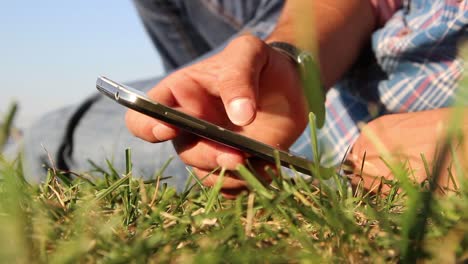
{"x": 7, "y": 125}
{"x": 253, "y": 182}
{"x": 104, "y": 193}
{"x": 213, "y": 195}
{"x": 313, "y": 90}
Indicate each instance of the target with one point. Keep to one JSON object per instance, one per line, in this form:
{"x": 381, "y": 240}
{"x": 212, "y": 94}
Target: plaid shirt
{"x": 415, "y": 68}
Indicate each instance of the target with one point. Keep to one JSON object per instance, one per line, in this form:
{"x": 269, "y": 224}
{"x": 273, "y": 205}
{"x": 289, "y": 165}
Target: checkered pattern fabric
{"x": 415, "y": 68}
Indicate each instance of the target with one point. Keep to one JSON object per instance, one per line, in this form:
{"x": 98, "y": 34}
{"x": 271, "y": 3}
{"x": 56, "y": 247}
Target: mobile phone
{"x": 138, "y": 101}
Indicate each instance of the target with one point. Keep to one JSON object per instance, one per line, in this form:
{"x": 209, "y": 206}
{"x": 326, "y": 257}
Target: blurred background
{"x": 51, "y": 52}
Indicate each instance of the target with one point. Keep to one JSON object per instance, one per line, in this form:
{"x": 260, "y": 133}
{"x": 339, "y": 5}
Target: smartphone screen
{"x": 138, "y": 101}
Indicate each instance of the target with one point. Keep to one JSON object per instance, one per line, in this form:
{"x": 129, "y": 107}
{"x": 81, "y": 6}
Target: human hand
{"x": 404, "y": 137}
{"x": 248, "y": 88}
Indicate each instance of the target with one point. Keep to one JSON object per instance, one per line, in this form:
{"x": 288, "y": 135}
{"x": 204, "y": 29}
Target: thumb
{"x": 238, "y": 81}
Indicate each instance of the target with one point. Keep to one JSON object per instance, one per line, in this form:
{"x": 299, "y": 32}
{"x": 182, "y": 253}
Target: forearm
{"x": 334, "y": 30}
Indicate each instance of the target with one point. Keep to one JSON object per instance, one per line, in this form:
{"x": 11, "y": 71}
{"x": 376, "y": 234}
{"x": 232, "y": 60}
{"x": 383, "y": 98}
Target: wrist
{"x": 286, "y": 32}
{"x": 310, "y": 78}
{"x": 333, "y": 31}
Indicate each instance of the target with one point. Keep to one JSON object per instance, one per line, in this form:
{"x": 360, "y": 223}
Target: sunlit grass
{"x": 121, "y": 218}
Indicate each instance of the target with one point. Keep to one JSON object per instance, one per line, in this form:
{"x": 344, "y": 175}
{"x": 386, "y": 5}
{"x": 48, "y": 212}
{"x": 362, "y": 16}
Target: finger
{"x": 230, "y": 180}
{"x": 186, "y": 92}
{"x": 205, "y": 154}
{"x": 143, "y": 126}
{"x": 180, "y": 91}
{"x": 238, "y": 82}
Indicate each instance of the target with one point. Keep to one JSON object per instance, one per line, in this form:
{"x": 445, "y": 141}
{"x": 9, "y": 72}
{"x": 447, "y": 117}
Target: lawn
{"x": 119, "y": 218}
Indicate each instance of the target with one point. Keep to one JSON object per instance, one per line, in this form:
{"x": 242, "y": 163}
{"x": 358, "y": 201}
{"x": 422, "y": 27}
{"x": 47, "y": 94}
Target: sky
{"x": 51, "y": 52}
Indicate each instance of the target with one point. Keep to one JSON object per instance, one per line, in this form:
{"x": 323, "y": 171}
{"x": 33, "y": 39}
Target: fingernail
{"x": 241, "y": 111}
{"x": 156, "y": 132}
{"x": 162, "y": 132}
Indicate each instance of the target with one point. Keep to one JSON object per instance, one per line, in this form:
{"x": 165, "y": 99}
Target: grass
{"x": 120, "y": 218}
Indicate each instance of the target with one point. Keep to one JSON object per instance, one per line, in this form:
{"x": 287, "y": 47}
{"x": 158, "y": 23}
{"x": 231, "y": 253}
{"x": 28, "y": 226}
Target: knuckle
{"x": 188, "y": 161}
{"x": 379, "y": 122}
{"x": 247, "y": 39}
{"x": 254, "y": 46}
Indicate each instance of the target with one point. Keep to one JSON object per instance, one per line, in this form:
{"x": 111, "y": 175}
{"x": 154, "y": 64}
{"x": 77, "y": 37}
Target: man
{"x": 254, "y": 89}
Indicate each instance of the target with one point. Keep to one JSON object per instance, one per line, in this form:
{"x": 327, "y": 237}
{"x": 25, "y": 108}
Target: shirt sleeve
{"x": 384, "y": 9}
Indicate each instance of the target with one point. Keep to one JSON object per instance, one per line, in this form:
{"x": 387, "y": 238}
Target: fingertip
{"x": 164, "y": 132}
{"x": 241, "y": 111}
{"x": 229, "y": 161}
{"x": 140, "y": 125}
